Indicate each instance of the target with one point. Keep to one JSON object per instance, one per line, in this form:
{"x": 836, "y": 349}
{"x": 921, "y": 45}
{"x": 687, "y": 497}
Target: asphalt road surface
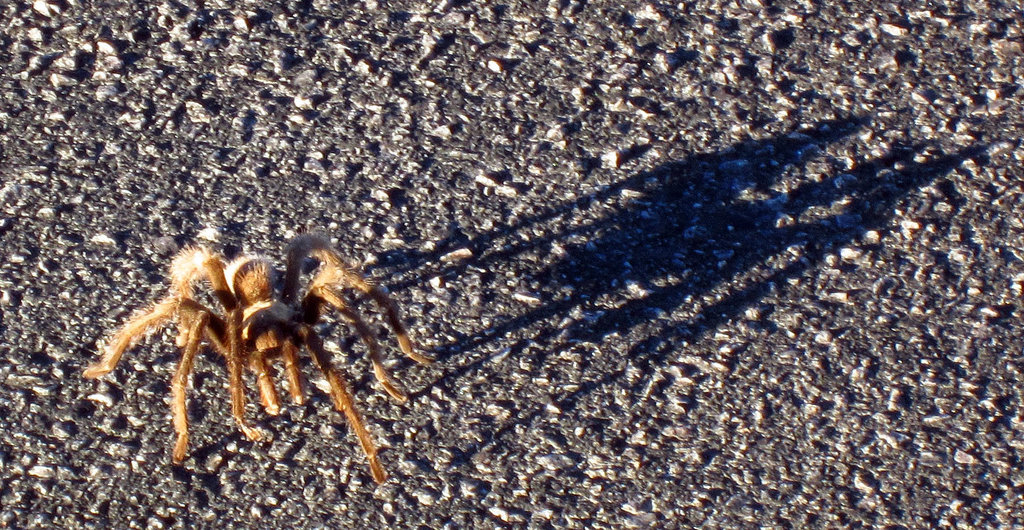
{"x": 715, "y": 264}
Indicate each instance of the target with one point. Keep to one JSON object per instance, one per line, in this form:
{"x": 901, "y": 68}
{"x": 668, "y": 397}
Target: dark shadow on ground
{"x": 654, "y": 242}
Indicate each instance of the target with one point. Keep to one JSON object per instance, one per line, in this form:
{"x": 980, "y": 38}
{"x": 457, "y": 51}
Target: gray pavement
{"x": 703, "y": 264}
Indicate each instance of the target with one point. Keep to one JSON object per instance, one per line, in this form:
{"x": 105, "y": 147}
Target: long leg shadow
{"x": 707, "y": 170}
{"x": 656, "y": 242}
{"x": 872, "y": 201}
{"x": 709, "y": 180}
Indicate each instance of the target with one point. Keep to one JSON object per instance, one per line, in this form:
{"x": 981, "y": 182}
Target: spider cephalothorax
{"x": 257, "y": 327}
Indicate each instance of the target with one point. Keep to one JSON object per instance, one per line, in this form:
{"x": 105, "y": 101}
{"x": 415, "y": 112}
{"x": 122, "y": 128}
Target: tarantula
{"x": 256, "y": 327}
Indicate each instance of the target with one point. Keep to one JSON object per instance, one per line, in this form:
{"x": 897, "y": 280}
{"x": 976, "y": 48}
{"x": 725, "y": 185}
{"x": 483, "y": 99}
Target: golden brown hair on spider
{"x": 258, "y": 326}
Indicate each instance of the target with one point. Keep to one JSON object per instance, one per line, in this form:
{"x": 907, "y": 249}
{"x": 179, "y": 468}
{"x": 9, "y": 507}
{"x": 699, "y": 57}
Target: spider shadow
{"x": 871, "y": 193}
{"x": 712, "y": 223}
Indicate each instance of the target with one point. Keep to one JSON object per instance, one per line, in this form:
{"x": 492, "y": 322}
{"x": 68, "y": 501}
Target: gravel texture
{"x": 710, "y": 264}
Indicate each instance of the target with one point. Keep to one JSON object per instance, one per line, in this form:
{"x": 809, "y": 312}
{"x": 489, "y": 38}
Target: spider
{"x": 256, "y": 327}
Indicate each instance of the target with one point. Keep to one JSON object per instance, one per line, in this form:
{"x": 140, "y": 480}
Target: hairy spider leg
{"x": 290, "y": 353}
{"x": 265, "y": 331}
{"x": 342, "y": 399}
{"x": 130, "y": 333}
{"x": 265, "y": 380}
{"x": 197, "y": 320}
{"x": 190, "y": 264}
{"x": 179, "y": 385}
{"x": 334, "y": 270}
{"x": 320, "y": 294}
{"x": 355, "y": 280}
{"x": 195, "y": 262}
{"x": 235, "y": 364}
